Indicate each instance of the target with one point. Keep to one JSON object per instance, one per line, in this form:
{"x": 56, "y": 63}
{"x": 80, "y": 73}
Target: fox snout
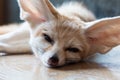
{"x": 53, "y": 61}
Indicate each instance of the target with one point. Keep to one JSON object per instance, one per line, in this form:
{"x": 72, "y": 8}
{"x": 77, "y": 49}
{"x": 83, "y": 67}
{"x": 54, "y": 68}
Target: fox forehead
{"x": 60, "y": 26}
{"x": 57, "y": 29}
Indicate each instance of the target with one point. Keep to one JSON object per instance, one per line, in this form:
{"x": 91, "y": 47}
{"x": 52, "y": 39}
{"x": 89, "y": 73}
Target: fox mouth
{"x": 67, "y": 62}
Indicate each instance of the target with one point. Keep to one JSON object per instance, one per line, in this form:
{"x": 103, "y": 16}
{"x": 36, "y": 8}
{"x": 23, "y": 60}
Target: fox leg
{"x": 16, "y": 42}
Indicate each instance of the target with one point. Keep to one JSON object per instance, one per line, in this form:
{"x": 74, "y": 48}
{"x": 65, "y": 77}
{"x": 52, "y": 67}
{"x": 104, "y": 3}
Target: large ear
{"x": 37, "y": 11}
{"x": 103, "y": 34}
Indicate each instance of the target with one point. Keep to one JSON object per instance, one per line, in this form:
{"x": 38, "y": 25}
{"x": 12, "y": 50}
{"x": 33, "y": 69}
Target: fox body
{"x": 62, "y": 35}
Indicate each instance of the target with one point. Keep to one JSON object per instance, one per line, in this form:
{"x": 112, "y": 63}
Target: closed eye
{"x": 48, "y": 39}
{"x": 75, "y": 50}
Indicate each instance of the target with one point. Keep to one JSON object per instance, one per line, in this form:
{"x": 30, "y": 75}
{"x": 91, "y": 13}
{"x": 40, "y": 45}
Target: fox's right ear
{"x": 37, "y": 11}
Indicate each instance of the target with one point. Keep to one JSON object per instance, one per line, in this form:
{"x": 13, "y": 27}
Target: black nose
{"x": 53, "y": 61}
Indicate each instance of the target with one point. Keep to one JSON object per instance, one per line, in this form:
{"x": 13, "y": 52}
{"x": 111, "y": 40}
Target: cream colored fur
{"x": 69, "y": 33}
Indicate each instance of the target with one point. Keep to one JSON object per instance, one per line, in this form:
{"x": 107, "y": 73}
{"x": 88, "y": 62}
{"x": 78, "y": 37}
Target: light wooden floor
{"x": 27, "y": 67}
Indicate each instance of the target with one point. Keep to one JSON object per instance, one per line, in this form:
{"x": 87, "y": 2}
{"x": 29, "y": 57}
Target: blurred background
{"x": 9, "y": 10}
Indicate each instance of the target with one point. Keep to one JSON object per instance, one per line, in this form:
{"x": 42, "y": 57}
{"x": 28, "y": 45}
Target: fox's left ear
{"x": 37, "y": 11}
{"x": 103, "y": 34}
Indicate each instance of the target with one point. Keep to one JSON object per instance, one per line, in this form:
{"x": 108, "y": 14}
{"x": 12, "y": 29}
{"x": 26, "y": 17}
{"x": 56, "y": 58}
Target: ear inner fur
{"x": 104, "y": 34}
{"x": 37, "y": 11}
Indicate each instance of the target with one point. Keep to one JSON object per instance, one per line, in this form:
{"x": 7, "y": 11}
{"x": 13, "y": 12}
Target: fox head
{"x": 57, "y": 39}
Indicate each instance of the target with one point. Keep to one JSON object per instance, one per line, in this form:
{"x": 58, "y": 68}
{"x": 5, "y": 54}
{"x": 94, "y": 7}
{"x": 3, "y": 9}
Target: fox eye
{"x": 48, "y": 39}
{"x": 75, "y": 50}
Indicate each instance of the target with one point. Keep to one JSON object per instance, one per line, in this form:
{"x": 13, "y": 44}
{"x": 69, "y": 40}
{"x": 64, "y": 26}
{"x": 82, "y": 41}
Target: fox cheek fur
{"x": 63, "y": 35}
